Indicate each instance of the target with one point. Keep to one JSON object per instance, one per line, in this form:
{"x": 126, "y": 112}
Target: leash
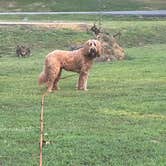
{"x": 42, "y": 128}
{"x": 42, "y": 141}
{"x": 68, "y": 76}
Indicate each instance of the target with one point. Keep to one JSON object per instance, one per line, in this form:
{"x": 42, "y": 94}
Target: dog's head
{"x": 93, "y": 48}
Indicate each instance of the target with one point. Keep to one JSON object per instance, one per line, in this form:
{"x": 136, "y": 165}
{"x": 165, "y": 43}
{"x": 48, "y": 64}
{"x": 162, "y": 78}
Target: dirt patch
{"x": 57, "y": 25}
{"x": 63, "y": 25}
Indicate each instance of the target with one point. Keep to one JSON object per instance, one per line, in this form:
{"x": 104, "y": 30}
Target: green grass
{"x": 119, "y": 121}
{"x": 81, "y": 5}
{"x": 78, "y": 17}
{"x": 134, "y": 33}
{"x": 38, "y": 38}
{"x": 137, "y": 33}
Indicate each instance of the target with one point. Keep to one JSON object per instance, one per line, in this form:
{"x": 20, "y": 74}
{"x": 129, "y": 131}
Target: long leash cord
{"x": 42, "y": 141}
{"x": 42, "y": 128}
{"x": 67, "y": 76}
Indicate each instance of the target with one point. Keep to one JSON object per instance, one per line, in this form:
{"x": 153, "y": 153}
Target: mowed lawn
{"x": 119, "y": 121}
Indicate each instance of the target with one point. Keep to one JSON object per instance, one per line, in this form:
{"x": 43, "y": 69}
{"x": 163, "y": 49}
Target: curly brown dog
{"x": 79, "y": 61}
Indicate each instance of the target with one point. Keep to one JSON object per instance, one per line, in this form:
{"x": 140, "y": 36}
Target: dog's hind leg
{"x": 52, "y": 75}
{"x": 50, "y": 83}
{"x": 55, "y": 85}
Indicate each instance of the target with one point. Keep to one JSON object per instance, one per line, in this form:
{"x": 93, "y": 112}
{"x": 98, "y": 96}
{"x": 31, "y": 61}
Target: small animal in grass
{"x": 23, "y": 51}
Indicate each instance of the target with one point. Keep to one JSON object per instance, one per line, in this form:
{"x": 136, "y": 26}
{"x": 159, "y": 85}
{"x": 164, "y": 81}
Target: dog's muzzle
{"x": 93, "y": 52}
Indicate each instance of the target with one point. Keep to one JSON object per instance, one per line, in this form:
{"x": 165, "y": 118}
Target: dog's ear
{"x": 99, "y": 48}
{"x": 87, "y": 44}
{"x": 86, "y": 47}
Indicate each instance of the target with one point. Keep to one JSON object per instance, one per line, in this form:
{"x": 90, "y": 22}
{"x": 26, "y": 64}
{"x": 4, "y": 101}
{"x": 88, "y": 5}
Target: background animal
{"x": 23, "y": 51}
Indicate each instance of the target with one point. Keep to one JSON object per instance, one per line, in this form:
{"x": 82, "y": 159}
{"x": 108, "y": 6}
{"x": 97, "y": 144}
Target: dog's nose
{"x": 93, "y": 50}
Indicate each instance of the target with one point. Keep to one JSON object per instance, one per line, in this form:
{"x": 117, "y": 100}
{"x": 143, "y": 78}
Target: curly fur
{"x": 79, "y": 61}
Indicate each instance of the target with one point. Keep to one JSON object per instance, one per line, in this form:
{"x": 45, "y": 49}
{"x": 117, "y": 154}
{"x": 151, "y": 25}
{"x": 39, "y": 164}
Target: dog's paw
{"x": 83, "y": 89}
{"x": 49, "y": 90}
{"x": 56, "y": 88}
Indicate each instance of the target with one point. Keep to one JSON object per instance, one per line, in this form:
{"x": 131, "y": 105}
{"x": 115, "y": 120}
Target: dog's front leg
{"x": 82, "y": 82}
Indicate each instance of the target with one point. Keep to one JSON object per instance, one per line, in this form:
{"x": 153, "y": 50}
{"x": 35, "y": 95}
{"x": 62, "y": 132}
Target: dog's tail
{"x": 42, "y": 78}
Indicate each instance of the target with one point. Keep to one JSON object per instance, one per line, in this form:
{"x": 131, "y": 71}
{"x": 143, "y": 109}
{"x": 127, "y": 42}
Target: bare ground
{"x": 79, "y": 26}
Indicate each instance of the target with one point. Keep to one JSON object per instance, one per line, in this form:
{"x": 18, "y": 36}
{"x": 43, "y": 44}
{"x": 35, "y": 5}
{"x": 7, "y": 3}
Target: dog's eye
{"x": 90, "y": 44}
{"x": 94, "y": 44}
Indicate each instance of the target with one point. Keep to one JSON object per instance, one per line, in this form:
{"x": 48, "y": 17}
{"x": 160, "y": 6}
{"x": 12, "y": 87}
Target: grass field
{"x": 134, "y": 33}
{"x": 119, "y": 121}
{"x": 81, "y": 5}
{"x": 79, "y": 17}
